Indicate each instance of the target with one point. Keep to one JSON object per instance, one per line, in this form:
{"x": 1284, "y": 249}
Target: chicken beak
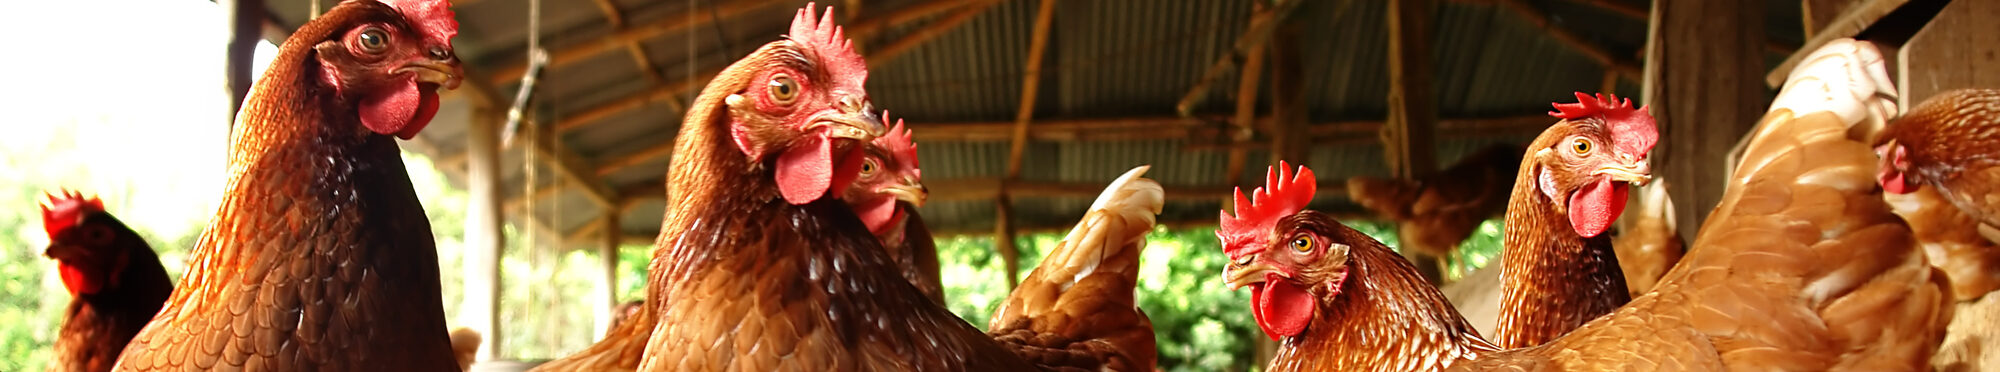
{"x": 912, "y": 192}
{"x": 66, "y": 252}
{"x": 443, "y": 73}
{"x": 1639, "y": 173}
{"x": 851, "y": 121}
{"x": 1238, "y": 275}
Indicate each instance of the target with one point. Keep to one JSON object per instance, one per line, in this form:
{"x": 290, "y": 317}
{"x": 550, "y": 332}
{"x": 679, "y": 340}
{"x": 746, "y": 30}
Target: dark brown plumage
{"x": 115, "y": 278}
{"x": 320, "y": 256}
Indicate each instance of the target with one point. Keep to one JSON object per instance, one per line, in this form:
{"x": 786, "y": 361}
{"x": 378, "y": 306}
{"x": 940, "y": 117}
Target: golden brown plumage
{"x": 1558, "y": 268}
{"x": 320, "y": 256}
{"x": 1075, "y": 311}
{"x": 1951, "y": 142}
{"x": 1649, "y": 245}
{"x": 1801, "y": 268}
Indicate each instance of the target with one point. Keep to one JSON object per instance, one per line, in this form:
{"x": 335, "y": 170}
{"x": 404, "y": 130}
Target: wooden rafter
{"x": 889, "y": 52}
{"x": 1031, "y": 82}
{"x": 1262, "y": 24}
{"x": 1408, "y": 139}
{"x": 619, "y": 40}
{"x": 1604, "y": 57}
{"x": 1856, "y": 18}
{"x": 1242, "y": 125}
{"x": 1620, "y": 7}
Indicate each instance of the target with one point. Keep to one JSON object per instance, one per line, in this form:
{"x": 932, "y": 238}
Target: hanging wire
{"x": 538, "y": 60}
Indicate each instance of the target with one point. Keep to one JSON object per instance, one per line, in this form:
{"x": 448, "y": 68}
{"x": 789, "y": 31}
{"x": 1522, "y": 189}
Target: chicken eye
{"x": 1303, "y": 244}
{"x": 97, "y": 235}
{"x": 869, "y": 166}
{"x": 1581, "y": 145}
{"x": 373, "y": 40}
{"x": 784, "y": 89}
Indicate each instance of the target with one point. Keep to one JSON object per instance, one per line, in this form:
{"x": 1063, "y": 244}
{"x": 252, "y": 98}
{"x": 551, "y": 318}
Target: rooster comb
{"x": 433, "y": 18}
{"x": 64, "y": 208}
{"x": 898, "y": 144}
{"x": 1633, "y": 129}
{"x": 826, "y": 38}
{"x": 1284, "y": 193}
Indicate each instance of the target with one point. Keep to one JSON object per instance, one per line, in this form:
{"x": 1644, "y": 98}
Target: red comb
{"x": 825, "y": 39}
{"x": 433, "y": 18}
{"x": 1633, "y": 129}
{"x": 898, "y": 144}
{"x": 67, "y": 208}
{"x": 1284, "y": 194}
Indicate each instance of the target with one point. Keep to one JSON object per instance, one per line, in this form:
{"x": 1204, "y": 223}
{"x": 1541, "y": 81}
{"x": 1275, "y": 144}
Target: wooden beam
{"x": 1958, "y": 49}
{"x": 1031, "y": 82}
{"x": 1003, "y": 241}
{"x": 1816, "y": 14}
{"x": 484, "y": 241}
{"x": 538, "y": 193}
{"x": 889, "y": 52}
{"x": 1262, "y": 23}
{"x": 1620, "y": 7}
{"x": 1595, "y": 52}
{"x": 246, "y": 21}
{"x": 618, "y": 40}
{"x": 1288, "y": 108}
{"x": 1408, "y": 139}
{"x": 1242, "y": 125}
{"x": 870, "y": 26}
{"x": 1702, "y": 95}
{"x": 1850, "y": 22}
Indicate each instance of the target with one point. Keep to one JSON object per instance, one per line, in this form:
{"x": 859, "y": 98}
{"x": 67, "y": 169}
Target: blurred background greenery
{"x": 1201, "y": 325}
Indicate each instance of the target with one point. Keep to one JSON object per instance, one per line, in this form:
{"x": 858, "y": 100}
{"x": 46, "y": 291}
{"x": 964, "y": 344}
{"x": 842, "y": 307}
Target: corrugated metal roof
{"x": 1105, "y": 59}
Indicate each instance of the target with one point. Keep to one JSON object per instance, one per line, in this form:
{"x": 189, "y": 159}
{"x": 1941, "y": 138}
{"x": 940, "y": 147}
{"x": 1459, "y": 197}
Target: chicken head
{"x": 805, "y": 102}
{"x": 1599, "y": 150}
{"x": 84, "y": 247}
{"x": 391, "y": 66}
{"x": 1285, "y": 284}
{"x": 888, "y": 175}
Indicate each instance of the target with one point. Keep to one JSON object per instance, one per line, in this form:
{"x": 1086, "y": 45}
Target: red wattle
{"x": 77, "y": 283}
{"x": 1593, "y": 208}
{"x": 427, "y": 108}
{"x": 391, "y": 112}
{"x": 805, "y": 171}
{"x": 1282, "y": 309}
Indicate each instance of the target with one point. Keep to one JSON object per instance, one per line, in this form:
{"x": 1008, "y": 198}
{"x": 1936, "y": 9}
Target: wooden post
{"x": 1703, "y": 84}
{"x": 607, "y": 306}
{"x": 1412, "y": 108}
{"x": 483, "y": 240}
{"x": 1288, "y": 111}
{"x": 1243, "y": 125}
{"x": 246, "y": 28}
{"x": 1031, "y": 82}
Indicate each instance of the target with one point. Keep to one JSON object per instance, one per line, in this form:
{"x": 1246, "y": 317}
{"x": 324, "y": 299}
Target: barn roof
{"x": 1112, "y": 76}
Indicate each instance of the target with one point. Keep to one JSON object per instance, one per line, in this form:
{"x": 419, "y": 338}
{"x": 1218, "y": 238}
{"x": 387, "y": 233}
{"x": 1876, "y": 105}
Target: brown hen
{"x": 319, "y": 257}
{"x": 115, "y": 279}
{"x": 1435, "y": 212}
{"x": 1802, "y": 267}
{"x": 1951, "y": 142}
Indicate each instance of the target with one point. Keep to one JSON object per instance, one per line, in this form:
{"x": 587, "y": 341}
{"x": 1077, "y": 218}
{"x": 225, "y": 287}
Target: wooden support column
{"x": 483, "y": 240}
{"x": 1243, "y": 124}
{"x": 246, "y": 27}
{"x": 1957, "y": 49}
{"x": 1408, "y": 139}
{"x": 1412, "y": 107}
{"x": 1031, "y": 83}
{"x": 1289, "y": 141}
{"x": 607, "y": 301}
{"x": 1704, "y": 94}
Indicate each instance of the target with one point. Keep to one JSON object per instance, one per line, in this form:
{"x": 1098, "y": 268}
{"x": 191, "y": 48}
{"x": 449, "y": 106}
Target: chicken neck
{"x": 1553, "y": 280}
{"x": 1386, "y": 316}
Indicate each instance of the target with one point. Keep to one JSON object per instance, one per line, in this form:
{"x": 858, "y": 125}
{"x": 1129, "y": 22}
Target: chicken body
{"x": 1075, "y": 311}
{"x": 320, "y": 256}
{"x": 1802, "y": 268}
{"x": 1558, "y": 267}
{"x": 1435, "y": 212}
{"x": 115, "y": 277}
{"x": 1649, "y": 245}
{"x": 1950, "y": 142}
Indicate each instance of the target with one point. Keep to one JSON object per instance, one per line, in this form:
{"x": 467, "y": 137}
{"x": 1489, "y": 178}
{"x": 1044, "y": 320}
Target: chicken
{"x": 1949, "y": 142}
{"x": 465, "y": 347}
{"x": 1952, "y": 242}
{"x": 1075, "y": 311}
{"x": 319, "y": 256}
{"x": 1801, "y": 268}
{"x": 1648, "y": 244}
{"x": 1435, "y": 212}
{"x": 760, "y": 266}
{"x": 886, "y": 196}
{"x": 114, "y": 276}
{"x": 1558, "y": 268}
